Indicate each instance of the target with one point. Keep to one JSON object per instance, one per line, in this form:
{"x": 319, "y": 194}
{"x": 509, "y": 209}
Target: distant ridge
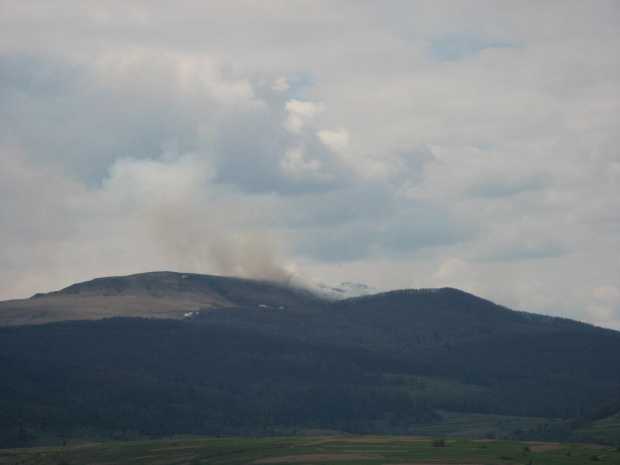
{"x": 159, "y": 283}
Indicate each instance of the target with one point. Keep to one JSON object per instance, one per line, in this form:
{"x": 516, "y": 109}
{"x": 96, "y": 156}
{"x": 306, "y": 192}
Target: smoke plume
{"x": 192, "y": 227}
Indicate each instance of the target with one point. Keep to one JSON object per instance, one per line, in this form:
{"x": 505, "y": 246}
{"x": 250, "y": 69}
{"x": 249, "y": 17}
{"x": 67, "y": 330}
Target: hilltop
{"x": 151, "y": 295}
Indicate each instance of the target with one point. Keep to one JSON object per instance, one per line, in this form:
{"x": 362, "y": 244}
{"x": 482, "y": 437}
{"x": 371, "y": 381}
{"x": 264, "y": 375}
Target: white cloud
{"x": 281, "y": 84}
{"x": 337, "y": 140}
{"x": 300, "y": 113}
{"x": 296, "y": 164}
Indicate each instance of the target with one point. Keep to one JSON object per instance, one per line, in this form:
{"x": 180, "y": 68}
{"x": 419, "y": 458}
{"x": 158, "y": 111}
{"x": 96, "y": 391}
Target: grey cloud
{"x": 423, "y": 225}
{"x": 31, "y": 75}
{"x": 452, "y": 47}
{"x": 516, "y": 239}
{"x": 546, "y": 248}
{"x": 347, "y": 242}
{"x": 416, "y": 157}
{"x": 355, "y": 203}
{"x": 508, "y": 184}
{"x": 387, "y": 228}
{"x": 36, "y": 204}
{"x": 60, "y": 116}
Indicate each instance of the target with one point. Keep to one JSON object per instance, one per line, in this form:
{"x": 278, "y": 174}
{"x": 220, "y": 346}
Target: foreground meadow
{"x": 341, "y": 450}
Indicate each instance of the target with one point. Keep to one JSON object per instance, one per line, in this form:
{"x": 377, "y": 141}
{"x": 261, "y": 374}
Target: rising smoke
{"x": 194, "y": 228}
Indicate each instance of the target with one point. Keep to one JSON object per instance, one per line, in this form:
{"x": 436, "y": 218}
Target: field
{"x": 341, "y": 450}
{"x": 477, "y": 425}
{"x": 606, "y": 428}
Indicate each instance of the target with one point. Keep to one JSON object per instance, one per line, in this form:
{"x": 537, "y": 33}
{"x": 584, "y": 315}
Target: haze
{"x": 400, "y": 144}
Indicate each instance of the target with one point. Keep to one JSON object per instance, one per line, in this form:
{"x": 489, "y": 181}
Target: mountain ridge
{"x": 173, "y": 294}
{"x": 159, "y": 294}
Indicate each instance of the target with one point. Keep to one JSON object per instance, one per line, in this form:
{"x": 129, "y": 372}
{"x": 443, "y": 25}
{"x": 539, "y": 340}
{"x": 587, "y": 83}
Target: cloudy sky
{"x": 470, "y": 144}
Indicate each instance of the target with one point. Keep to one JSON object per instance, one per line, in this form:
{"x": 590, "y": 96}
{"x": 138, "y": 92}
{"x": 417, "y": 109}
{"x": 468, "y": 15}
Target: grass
{"x": 611, "y": 422}
{"x": 478, "y": 425}
{"x": 340, "y": 450}
{"x": 606, "y": 428}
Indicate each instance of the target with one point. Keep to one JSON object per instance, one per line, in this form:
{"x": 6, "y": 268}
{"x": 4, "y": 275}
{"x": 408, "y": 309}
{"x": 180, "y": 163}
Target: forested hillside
{"x": 380, "y": 364}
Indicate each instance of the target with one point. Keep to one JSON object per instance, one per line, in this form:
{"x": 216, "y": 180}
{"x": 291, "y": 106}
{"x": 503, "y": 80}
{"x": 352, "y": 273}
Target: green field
{"x": 478, "y": 425}
{"x": 341, "y": 450}
{"x": 605, "y": 430}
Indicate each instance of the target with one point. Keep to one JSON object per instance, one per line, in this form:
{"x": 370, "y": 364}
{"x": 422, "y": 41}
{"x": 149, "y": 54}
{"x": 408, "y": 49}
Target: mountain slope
{"x": 151, "y": 295}
{"x": 262, "y": 358}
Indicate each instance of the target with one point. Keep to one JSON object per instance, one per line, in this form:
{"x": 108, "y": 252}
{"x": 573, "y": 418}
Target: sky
{"x": 400, "y": 144}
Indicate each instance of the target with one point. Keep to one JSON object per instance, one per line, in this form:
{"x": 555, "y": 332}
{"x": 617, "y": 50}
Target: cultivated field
{"x": 340, "y": 450}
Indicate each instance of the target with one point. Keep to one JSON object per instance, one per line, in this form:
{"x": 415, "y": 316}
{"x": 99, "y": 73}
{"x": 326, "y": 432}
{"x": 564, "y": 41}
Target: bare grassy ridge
{"x": 350, "y": 450}
{"x": 150, "y": 295}
{"x": 50, "y": 309}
